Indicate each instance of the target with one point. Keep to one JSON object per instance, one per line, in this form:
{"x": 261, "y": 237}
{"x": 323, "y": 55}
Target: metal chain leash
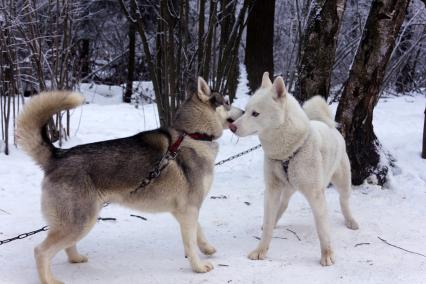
{"x": 24, "y": 235}
{"x": 160, "y": 166}
{"x": 238, "y": 155}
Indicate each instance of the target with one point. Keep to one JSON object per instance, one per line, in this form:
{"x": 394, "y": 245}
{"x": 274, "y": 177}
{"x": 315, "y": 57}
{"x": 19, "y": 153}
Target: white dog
{"x": 303, "y": 151}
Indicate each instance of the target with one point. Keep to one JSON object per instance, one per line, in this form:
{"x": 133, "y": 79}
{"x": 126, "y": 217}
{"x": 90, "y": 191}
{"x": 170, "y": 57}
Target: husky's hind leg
{"x": 69, "y": 219}
{"x": 342, "y": 181}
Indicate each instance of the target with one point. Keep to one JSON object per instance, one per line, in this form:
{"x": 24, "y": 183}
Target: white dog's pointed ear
{"x": 203, "y": 90}
{"x": 279, "y": 88}
{"x": 266, "y": 82}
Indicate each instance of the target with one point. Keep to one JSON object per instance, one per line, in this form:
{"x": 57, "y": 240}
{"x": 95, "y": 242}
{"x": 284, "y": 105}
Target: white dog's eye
{"x": 254, "y": 113}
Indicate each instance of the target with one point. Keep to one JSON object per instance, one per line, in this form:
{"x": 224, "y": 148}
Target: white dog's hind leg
{"x": 342, "y": 181}
{"x": 271, "y": 206}
{"x": 285, "y": 198}
{"x": 318, "y": 204}
{"x": 189, "y": 227}
{"x": 202, "y": 242}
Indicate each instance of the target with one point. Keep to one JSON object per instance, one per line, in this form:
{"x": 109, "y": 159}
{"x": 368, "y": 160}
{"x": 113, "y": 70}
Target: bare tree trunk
{"x": 127, "y": 96}
{"x": 318, "y": 48}
{"x": 260, "y": 40}
{"x": 424, "y": 138}
{"x": 84, "y": 57}
{"x": 362, "y": 89}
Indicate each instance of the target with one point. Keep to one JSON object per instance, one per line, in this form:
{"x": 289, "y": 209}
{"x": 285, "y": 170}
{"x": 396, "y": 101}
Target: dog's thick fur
{"x": 79, "y": 180}
{"x": 316, "y": 155}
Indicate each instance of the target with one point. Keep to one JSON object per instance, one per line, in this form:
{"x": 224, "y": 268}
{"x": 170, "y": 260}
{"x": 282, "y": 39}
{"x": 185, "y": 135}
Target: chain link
{"x": 24, "y": 235}
{"x": 152, "y": 175}
{"x": 238, "y": 155}
{"x": 155, "y": 173}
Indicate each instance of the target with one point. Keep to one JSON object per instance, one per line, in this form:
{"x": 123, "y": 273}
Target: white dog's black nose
{"x": 233, "y": 127}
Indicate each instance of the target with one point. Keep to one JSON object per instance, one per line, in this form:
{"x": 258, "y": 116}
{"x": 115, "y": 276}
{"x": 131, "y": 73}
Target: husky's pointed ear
{"x": 279, "y": 89}
{"x": 266, "y": 82}
{"x": 203, "y": 90}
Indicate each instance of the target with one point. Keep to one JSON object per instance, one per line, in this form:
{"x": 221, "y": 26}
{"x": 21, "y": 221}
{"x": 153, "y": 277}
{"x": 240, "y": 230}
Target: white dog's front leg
{"x": 271, "y": 205}
{"x": 318, "y": 204}
{"x": 189, "y": 227}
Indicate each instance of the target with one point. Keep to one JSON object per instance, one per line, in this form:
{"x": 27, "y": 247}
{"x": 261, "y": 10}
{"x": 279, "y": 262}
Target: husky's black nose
{"x": 233, "y": 127}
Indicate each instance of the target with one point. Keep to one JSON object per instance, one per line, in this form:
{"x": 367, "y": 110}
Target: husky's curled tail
{"x": 317, "y": 108}
{"x": 30, "y": 132}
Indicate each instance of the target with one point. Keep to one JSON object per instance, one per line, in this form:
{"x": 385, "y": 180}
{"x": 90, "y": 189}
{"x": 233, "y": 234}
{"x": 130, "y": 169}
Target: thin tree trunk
{"x": 424, "y": 138}
{"x": 259, "y": 56}
{"x": 318, "y": 48}
{"x": 362, "y": 89}
{"x": 127, "y": 96}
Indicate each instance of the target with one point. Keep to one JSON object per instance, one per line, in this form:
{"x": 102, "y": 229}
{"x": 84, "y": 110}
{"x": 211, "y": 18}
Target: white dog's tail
{"x": 317, "y": 109}
{"x": 30, "y": 132}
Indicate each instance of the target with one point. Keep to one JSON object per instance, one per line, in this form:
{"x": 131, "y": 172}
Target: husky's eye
{"x": 254, "y": 113}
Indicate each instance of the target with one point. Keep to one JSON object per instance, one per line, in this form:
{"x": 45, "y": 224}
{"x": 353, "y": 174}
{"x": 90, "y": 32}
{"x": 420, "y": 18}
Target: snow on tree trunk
{"x": 318, "y": 48}
{"x": 259, "y": 44}
{"x": 361, "y": 91}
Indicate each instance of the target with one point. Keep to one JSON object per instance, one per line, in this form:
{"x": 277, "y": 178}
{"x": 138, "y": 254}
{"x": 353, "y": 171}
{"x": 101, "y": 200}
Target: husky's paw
{"x": 52, "y": 281}
{"x": 78, "y": 259}
{"x": 208, "y": 249}
{"x": 258, "y": 254}
{"x": 351, "y": 224}
{"x": 327, "y": 257}
{"x": 202, "y": 267}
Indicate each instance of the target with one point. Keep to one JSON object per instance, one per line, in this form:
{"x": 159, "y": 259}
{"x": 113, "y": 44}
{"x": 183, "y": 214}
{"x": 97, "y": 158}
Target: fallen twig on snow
{"x": 219, "y": 197}
{"x": 140, "y": 217}
{"x": 4, "y": 211}
{"x": 294, "y": 233}
{"x": 413, "y": 252}
{"x": 361, "y": 244}
{"x": 107, "y": 219}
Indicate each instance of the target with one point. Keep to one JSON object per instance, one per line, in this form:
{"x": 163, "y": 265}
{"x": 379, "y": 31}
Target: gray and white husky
{"x": 303, "y": 151}
{"x": 79, "y": 180}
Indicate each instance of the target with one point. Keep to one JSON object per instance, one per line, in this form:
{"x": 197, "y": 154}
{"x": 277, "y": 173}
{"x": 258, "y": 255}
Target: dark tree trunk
{"x": 259, "y": 55}
{"x": 228, "y": 21}
{"x": 84, "y": 57}
{"x": 361, "y": 91}
{"x": 424, "y": 138}
{"x": 318, "y": 49}
{"x": 127, "y": 96}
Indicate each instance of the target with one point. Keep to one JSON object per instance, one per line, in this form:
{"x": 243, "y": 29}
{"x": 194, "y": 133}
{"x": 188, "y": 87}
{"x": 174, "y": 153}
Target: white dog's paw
{"x": 207, "y": 249}
{"x": 327, "y": 257}
{"x": 258, "y": 254}
{"x": 78, "y": 259}
{"x": 351, "y": 224}
{"x": 202, "y": 267}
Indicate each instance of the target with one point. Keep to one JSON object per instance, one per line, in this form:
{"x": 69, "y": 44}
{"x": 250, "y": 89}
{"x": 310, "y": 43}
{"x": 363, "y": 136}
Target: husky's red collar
{"x": 196, "y": 136}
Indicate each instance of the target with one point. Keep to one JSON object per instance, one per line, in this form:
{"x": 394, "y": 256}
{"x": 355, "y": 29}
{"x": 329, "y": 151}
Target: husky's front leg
{"x": 202, "y": 242}
{"x": 188, "y": 221}
{"x": 271, "y": 206}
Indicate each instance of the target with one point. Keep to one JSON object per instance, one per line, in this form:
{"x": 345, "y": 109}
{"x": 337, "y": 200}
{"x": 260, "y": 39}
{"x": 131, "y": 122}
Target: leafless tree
{"x": 361, "y": 91}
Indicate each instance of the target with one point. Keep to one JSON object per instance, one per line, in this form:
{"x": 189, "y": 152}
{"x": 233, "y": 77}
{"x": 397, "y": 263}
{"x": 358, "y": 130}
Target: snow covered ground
{"x": 131, "y": 250}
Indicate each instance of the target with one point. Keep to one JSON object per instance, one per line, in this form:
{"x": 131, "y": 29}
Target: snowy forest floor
{"x": 132, "y": 250}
